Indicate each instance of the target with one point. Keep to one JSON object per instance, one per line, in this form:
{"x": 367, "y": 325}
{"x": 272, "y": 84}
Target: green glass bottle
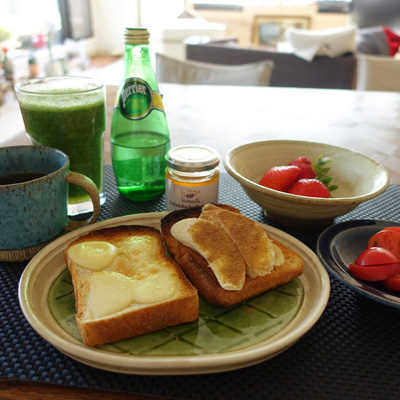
{"x": 139, "y": 128}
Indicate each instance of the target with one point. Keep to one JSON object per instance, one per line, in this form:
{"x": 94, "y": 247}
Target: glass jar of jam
{"x": 192, "y": 177}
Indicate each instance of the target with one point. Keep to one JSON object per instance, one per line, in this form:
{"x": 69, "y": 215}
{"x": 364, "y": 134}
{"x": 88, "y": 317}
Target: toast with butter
{"x": 126, "y": 285}
{"x": 227, "y": 256}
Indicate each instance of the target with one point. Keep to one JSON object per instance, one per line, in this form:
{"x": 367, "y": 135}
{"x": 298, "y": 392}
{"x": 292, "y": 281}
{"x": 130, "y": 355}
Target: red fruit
{"x": 306, "y": 167}
{"x": 309, "y": 188}
{"x": 280, "y": 178}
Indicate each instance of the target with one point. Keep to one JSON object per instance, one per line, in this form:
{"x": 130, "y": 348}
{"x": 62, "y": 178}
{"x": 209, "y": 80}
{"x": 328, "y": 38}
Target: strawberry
{"x": 306, "y": 167}
{"x": 280, "y": 178}
{"x": 318, "y": 170}
{"x": 309, "y": 188}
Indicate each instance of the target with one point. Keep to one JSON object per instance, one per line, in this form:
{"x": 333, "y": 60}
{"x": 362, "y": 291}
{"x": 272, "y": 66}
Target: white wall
{"x": 156, "y": 13}
{"x": 109, "y": 18}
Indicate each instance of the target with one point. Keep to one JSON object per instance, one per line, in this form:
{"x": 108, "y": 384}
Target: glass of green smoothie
{"x": 68, "y": 113}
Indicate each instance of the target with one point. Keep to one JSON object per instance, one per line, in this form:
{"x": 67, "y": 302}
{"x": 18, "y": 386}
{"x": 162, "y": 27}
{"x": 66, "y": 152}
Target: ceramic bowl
{"x": 359, "y": 178}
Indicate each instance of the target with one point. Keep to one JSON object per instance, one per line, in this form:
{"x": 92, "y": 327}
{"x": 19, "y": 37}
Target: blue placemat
{"x": 352, "y": 351}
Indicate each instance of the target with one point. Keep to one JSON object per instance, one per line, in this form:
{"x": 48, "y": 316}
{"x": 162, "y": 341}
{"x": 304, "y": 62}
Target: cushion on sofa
{"x": 171, "y": 70}
{"x": 393, "y": 40}
{"x": 372, "y": 40}
{"x": 378, "y": 40}
{"x": 332, "y": 42}
{"x": 289, "y": 70}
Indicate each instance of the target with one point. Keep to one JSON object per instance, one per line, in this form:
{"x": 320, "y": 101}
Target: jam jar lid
{"x": 192, "y": 158}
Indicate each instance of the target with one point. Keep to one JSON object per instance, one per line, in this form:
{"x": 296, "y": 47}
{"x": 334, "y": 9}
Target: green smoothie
{"x": 74, "y": 124}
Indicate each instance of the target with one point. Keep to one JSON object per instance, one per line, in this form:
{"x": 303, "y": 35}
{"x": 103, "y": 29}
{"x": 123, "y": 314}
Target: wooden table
{"x": 223, "y": 117}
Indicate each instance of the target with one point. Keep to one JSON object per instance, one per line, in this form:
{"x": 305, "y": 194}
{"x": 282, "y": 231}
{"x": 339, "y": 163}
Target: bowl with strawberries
{"x": 305, "y": 184}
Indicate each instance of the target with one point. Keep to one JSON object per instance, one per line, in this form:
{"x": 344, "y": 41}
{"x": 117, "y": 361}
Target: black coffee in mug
{"x": 35, "y": 211}
{"x": 19, "y": 177}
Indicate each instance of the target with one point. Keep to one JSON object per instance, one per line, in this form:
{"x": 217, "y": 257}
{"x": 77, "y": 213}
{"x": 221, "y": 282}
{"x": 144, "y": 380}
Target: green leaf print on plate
{"x": 218, "y": 329}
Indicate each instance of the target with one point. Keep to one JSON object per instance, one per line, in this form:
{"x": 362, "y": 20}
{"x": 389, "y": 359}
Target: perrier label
{"x": 136, "y": 99}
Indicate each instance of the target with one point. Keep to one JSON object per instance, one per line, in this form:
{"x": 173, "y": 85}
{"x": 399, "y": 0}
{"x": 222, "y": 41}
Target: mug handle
{"x": 87, "y": 184}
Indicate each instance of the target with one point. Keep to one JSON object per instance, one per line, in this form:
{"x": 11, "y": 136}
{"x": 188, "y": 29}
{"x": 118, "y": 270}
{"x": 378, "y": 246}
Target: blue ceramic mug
{"x": 34, "y": 199}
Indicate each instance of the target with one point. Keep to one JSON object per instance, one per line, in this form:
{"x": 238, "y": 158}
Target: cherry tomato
{"x": 375, "y": 264}
{"x": 377, "y": 256}
{"x": 373, "y": 273}
{"x": 392, "y": 228}
{"x": 392, "y": 283}
{"x": 388, "y": 238}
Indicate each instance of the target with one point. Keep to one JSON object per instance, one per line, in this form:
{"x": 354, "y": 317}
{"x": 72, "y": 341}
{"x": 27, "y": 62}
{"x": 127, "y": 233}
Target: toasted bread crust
{"x": 139, "y": 322}
{"x": 200, "y": 274}
{"x": 184, "y": 307}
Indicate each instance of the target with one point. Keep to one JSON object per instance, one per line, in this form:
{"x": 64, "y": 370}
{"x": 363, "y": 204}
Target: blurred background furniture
{"x": 378, "y": 73}
{"x": 289, "y": 70}
{"x": 259, "y": 27}
{"x": 334, "y": 42}
{"x": 225, "y": 34}
{"x": 170, "y": 70}
{"x": 169, "y": 37}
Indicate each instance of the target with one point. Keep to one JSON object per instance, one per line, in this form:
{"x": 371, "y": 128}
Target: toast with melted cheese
{"x": 258, "y": 251}
{"x": 227, "y": 256}
{"x": 126, "y": 285}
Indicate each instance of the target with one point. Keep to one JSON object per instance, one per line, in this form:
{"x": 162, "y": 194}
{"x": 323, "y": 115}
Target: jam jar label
{"x": 136, "y": 99}
{"x": 180, "y": 195}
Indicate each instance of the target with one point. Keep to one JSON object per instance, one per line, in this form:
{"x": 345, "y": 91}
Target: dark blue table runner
{"x": 351, "y": 352}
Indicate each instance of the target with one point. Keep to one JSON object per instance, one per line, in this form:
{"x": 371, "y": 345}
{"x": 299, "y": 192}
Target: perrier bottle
{"x": 139, "y": 128}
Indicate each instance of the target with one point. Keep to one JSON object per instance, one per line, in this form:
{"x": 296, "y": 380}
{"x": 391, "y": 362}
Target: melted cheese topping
{"x": 211, "y": 241}
{"x": 154, "y": 284}
{"x": 123, "y": 275}
{"x": 93, "y": 255}
{"x": 110, "y": 292}
{"x": 279, "y": 257}
{"x": 248, "y": 245}
{"x": 254, "y": 244}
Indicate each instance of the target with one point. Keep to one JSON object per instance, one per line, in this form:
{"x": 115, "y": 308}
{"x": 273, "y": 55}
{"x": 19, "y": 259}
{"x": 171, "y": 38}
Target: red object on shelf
{"x": 393, "y": 40}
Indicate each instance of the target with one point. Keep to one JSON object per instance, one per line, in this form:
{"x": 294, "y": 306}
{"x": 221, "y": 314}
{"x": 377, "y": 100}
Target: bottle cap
{"x": 136, "y": 36}
{"x": 192, "y": 158}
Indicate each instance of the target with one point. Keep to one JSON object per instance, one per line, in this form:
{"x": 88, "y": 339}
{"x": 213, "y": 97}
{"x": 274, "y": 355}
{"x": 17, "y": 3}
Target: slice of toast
{"x": 198, "y": 270}
{"x": 126, "y": 285}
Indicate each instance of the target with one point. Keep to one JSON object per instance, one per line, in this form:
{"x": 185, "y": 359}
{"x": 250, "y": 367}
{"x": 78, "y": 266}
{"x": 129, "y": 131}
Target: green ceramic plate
{"x": 222, "y": 339}
{"x": 218, "y": 330}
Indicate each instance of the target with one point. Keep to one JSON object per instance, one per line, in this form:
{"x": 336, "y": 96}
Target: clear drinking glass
{"x": 68, "y": 113}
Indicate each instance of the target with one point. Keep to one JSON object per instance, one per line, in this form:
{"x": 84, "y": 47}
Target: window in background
{"x": 75, "y": 19}
{"x": 31, "y": 44}
{"x": 270, "y": 31}
{"x": 28, "y": 23}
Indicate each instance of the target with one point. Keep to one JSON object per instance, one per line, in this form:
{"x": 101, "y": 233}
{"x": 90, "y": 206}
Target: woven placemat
{"x": 351, "y": 352}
